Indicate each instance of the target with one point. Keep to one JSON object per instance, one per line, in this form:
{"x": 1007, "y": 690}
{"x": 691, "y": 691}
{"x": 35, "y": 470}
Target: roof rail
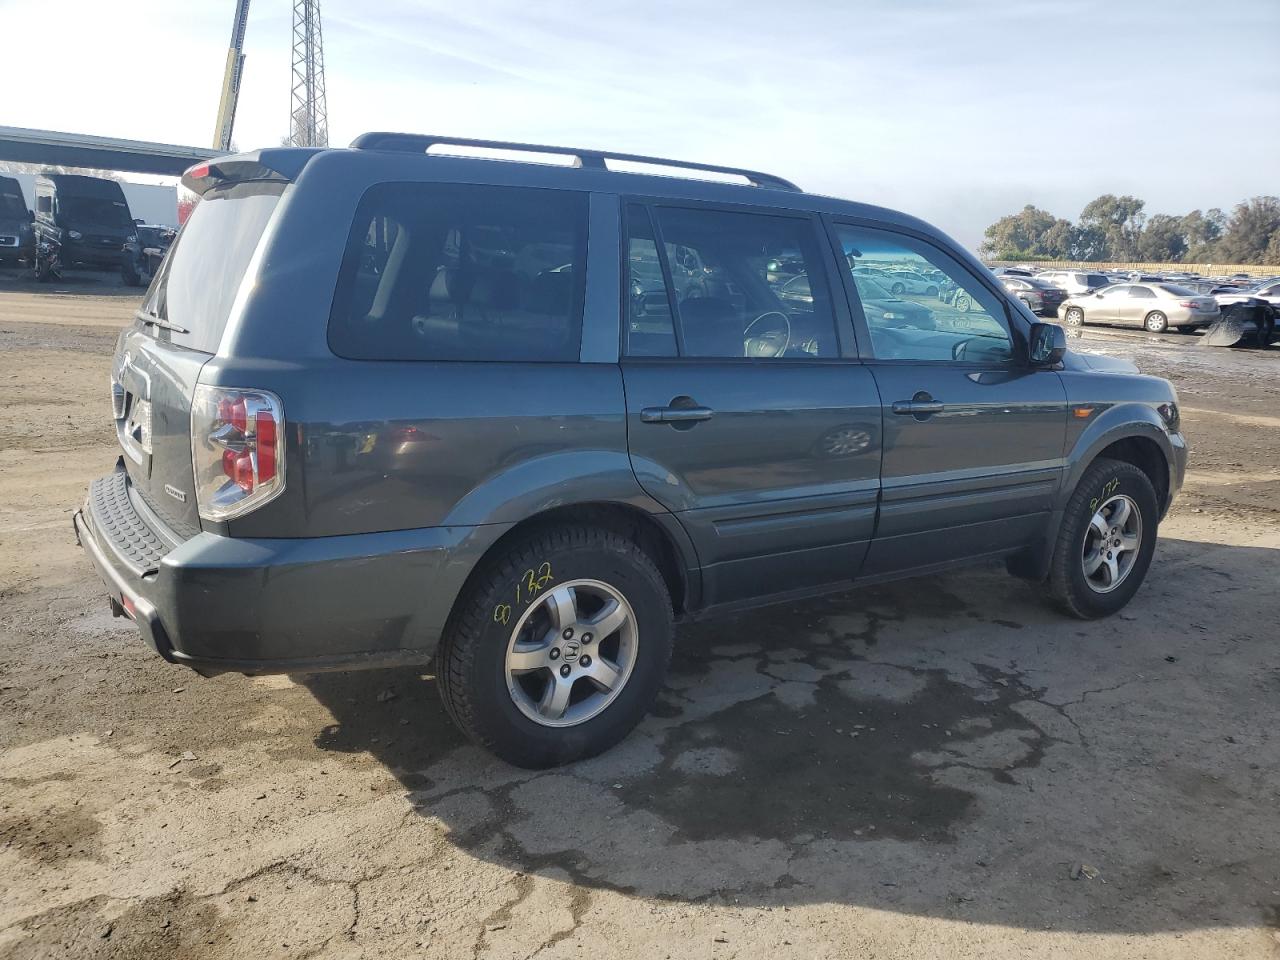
{"x": 587, "y": 159}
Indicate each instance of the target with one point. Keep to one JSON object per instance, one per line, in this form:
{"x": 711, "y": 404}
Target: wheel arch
{"x": 659, "y": 534}
{"x": 1131, "y": 433}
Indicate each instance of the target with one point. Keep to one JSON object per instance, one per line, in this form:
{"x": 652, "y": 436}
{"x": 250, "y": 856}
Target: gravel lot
{"x": 940, "y": 768}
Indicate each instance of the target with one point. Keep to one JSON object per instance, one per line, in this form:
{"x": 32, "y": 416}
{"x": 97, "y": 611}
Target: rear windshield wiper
{"x": 154, "y": 320}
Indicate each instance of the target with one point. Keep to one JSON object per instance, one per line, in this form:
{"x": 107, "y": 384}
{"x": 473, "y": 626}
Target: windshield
{"x": 99, "y": 210}
{"x": 201, "y": 276}
{"x": 12, "y": 205}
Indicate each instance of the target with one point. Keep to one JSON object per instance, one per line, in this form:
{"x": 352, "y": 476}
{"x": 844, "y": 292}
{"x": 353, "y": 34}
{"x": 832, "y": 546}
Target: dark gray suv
{"x": 388, "y": 404}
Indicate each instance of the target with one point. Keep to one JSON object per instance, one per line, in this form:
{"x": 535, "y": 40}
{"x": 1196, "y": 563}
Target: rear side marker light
{"x": 237, "y": 450}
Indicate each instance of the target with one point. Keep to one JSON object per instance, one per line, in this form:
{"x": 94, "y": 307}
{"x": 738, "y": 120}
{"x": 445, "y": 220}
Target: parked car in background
{"x": 1040, "y": 296}
{"x": 142, "y": 256}
{"x": 1155, "y": 306}
{"x": 879, "y": 301}
{"x": 1014, "y": 272}
{"x": 1208, "y": 287}
{"x": 898, "y": 281}
{"x": 1268, "y": 290}
{"x": 17, "y": 239}
{"x": 380, "y": 406}
{"x": 1075, "y": 281}
{"x": 80, "y": 222}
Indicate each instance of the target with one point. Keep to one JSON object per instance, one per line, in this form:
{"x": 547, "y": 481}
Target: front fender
{"x": 1118, "y": 422}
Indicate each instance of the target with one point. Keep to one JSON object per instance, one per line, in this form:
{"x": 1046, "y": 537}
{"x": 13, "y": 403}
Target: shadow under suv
{"x": 384, "y": 404}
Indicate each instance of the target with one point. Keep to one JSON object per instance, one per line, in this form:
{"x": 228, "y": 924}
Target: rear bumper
{"x": 223, "y": 604}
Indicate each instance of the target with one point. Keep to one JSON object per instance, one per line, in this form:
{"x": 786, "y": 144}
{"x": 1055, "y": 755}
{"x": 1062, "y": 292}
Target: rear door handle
{"x": 675, "y": 414}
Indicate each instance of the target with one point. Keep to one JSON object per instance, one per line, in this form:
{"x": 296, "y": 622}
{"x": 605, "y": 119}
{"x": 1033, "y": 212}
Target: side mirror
{"x": 1048, "y": 344}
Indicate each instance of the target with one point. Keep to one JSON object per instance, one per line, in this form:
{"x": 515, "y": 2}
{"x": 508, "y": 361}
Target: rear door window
{"x": 438, "y": 271}
{"x": 742, "y": 285}
{"x": 192, "y": 294}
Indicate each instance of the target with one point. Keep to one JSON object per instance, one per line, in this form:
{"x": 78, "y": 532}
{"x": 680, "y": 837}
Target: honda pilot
{"x": 402, "y": 403}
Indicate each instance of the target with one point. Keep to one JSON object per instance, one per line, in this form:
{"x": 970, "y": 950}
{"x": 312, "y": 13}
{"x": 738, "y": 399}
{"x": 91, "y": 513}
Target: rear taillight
{"x": 237, "y": 450}
{"x": 1189, "y": 304}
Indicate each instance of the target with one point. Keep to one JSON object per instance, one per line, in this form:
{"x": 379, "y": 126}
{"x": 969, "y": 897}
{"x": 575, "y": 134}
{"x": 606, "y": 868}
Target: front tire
{"x": 558, "y": 647}
{"x": 1074, "y": 317}
{"x": 1156, "y": 322}
{"x": 1106, "y": 540}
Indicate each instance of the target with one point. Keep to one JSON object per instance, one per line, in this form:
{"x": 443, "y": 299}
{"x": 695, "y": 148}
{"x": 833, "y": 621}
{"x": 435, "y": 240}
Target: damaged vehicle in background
{"x": 142, "y": 255}
{"x": 1248, "y": 316}
{"x": 80, "y": 222}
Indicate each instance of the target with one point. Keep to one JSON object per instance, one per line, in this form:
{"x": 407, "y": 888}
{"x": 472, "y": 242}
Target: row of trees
{"x": 1116, "y": 229}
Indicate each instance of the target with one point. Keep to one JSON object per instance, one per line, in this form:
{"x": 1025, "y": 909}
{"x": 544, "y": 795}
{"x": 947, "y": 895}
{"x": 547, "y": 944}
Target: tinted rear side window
{"x": 201, "y": 276}
{"x": 462, "y": 272}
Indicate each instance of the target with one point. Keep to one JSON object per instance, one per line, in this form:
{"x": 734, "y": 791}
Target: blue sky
{"x": 955, "y": 111}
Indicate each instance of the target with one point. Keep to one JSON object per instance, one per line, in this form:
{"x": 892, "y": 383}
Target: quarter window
{"x": 952, "y": 317}
{"x": 742, "y": 285}
{"x": 462, "y": 272}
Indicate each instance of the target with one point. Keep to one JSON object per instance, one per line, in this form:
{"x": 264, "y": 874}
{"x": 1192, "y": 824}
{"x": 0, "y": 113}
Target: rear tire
{"x": 1106, "y": 487}
{"x": 129, "y": 273}
{"x": 509, "y": 612}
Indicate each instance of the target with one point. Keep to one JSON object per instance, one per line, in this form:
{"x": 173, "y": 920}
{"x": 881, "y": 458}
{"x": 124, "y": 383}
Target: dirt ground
{"x": 940, "y": 768}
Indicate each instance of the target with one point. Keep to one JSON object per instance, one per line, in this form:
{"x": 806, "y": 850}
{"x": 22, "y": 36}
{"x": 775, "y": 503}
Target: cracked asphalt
{"x": 937, "y": 768}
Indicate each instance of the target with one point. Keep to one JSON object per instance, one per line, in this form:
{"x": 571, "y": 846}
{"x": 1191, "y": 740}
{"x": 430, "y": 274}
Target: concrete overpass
{"x": 51, "y": 148}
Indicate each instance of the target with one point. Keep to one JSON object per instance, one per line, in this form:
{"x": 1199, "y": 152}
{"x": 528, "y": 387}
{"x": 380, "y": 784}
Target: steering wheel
{"x": 771, "y": 343}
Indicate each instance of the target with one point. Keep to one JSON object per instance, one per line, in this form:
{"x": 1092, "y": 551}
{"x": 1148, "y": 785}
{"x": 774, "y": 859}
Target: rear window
{"x": 1176, "y": 290}
{"x": 1096, "y": 279}
{"x": 462, "y": 272}
{"x": 196, "y": 286}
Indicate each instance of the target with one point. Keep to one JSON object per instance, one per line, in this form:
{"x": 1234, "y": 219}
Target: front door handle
{"x": 675, "y": 414}
{"x": 921, "y": 405}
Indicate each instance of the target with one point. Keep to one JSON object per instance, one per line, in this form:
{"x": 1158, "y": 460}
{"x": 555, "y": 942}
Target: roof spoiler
{"x": 587, "y": 159}
{"x": 281, "y": 164}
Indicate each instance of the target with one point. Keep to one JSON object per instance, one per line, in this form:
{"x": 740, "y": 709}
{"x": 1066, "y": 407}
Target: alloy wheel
{"x": 571, "y": 653}
{"x": 1111, "y": 543}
